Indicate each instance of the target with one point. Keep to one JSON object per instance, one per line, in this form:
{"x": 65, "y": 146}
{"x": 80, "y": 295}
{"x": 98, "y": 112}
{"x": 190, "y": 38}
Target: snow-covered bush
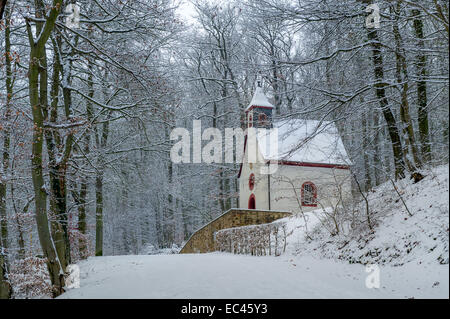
{"x": 256, "y": 240}
{"x": 78, "y": 239}
{"x": 152, "y": 250}
{"x": 30, "y": 279}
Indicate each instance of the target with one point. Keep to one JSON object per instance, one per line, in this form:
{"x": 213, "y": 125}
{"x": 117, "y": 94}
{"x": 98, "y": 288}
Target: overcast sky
{"x": 187, "y": 10}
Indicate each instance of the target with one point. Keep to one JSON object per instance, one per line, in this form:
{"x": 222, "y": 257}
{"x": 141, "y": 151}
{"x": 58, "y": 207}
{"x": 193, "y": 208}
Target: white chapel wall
{"x": 286, "y": 186}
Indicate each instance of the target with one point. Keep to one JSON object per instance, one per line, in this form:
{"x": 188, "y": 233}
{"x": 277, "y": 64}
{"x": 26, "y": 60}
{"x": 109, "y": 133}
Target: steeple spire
{"x": 259, "y": 98}
{"x": 259, "y": 80}
{"x": 259, "y": 111}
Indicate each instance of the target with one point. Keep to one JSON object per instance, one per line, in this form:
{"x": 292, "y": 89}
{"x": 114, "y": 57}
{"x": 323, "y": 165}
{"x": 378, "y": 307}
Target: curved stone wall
{"x": 202, "y": 241}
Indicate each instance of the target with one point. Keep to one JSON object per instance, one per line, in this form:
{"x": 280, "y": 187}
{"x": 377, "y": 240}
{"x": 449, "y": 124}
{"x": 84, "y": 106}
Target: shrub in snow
{"x": 152, "y": 250}
{"x": 30, "y": 279}
{"x": 256, "y": 240}
{"x": 77, "y": 240}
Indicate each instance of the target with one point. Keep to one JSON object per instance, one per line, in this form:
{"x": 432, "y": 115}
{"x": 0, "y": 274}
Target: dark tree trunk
{"x": 409, "y": 150}
{"x": 380, "y": 92}
{"x": 37, "y": 96}
{"x": 82, "y": 209}
{"x": 99, "y": 214}
{"x": 421, "y": 65}
{"x": 5, "y": 290}
{"x": 5, "y": 287}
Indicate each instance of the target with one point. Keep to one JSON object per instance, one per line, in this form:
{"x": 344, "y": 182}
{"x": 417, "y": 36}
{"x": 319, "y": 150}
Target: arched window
{"x": 262, "y": 119}
{"x": 251, "y": 181}
{"x": 252, "y": 202}
{"x": 309, "y": 194}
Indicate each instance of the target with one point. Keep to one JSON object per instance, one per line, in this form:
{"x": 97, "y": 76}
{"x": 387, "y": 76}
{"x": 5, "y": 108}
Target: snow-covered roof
{"x": 305, "y": 141}
{"x": 259, "y": 99}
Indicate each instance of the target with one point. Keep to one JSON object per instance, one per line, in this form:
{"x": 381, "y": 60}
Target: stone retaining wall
{"x": 202, "y": 241}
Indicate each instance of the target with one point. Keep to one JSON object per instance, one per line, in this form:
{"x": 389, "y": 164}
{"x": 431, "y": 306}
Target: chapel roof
{"x": 259, "y": 99}
{"x": 305, "y": 141}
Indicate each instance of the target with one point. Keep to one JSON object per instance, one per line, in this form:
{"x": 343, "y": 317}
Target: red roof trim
{"x": 290, "y": 163}
{"x": 255, "y": 106}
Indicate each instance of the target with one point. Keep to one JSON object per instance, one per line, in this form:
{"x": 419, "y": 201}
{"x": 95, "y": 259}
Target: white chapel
{"x": 304, "y": 167}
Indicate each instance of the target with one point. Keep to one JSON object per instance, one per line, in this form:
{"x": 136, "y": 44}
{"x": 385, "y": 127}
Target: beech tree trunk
{"x": 101, "y": 142}
{"x": 84, "y": 178}
{"x": 421, "y": 65}
{"x": 37, "y": 92}
{"x": 380, "y": 92}
{"x": 409, "y": 150}
{"x": 5, "y": 288}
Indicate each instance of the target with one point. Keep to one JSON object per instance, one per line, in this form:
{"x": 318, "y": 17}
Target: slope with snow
{"x": 398, "y": 238}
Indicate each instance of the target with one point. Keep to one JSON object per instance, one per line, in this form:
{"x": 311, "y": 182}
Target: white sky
{"x": 186, "y": 10}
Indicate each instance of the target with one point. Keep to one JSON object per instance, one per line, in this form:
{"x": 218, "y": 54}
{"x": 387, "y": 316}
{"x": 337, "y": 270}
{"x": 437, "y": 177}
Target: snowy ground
{"x": 412, "y": 254}
{"x": 221, "y": 275}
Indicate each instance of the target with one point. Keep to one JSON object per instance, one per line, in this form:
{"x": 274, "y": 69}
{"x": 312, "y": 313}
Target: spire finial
{"x": 259, "y": 80}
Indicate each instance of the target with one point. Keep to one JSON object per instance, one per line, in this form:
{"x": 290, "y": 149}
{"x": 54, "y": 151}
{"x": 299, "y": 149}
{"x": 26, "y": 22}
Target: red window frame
{"x": 251, "y": 181}
{"x": 307, "y": 202}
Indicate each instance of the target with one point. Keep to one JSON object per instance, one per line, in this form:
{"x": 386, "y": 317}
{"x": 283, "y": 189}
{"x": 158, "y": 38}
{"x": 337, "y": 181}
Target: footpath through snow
{"x": 219, "y": 275}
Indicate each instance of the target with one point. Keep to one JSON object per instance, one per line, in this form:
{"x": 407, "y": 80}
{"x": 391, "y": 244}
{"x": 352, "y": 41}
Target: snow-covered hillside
{"x": 416, "y": 246}
{"x": 398, "y": 238}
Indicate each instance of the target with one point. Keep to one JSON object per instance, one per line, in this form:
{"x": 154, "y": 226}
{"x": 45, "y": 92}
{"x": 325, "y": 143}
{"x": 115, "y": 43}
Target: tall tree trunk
{"x": 37, "y": 60}
{"x": 380, "y": 92}
{"x": 57, "y": 161}
{"x": 19, "y": 222}
{"x": 54, "y": 266}
{"x": 375, "y": 147}
{"x": 101, "y": 142}
{"x": 84, "y": 178}
{"x": 365, "y": 149}
{"x": 421, "y": 65}
{"x": 275, "y": 85}
{"x": 82, "y": 225}
{"x": 409, "y": 150}
{"x": 5, "y": 288}
{"x": 99, "y": 213}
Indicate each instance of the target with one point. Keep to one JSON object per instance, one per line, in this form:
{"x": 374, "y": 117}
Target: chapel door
{"x": 252, "y": 202}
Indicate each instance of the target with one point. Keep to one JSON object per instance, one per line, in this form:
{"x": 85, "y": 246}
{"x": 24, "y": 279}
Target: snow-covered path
{"x": 220, "y": 275}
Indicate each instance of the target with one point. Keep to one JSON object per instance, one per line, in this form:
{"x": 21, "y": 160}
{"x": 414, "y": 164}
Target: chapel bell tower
{"x": 259, "y": 112}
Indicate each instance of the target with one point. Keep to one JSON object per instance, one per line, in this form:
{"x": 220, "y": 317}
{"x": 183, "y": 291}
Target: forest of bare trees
{"x": 86, "y": 110}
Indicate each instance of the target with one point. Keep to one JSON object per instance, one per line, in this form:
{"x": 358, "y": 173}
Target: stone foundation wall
{"x": 255, "y": 240}
{"x": 202, "y": 241}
